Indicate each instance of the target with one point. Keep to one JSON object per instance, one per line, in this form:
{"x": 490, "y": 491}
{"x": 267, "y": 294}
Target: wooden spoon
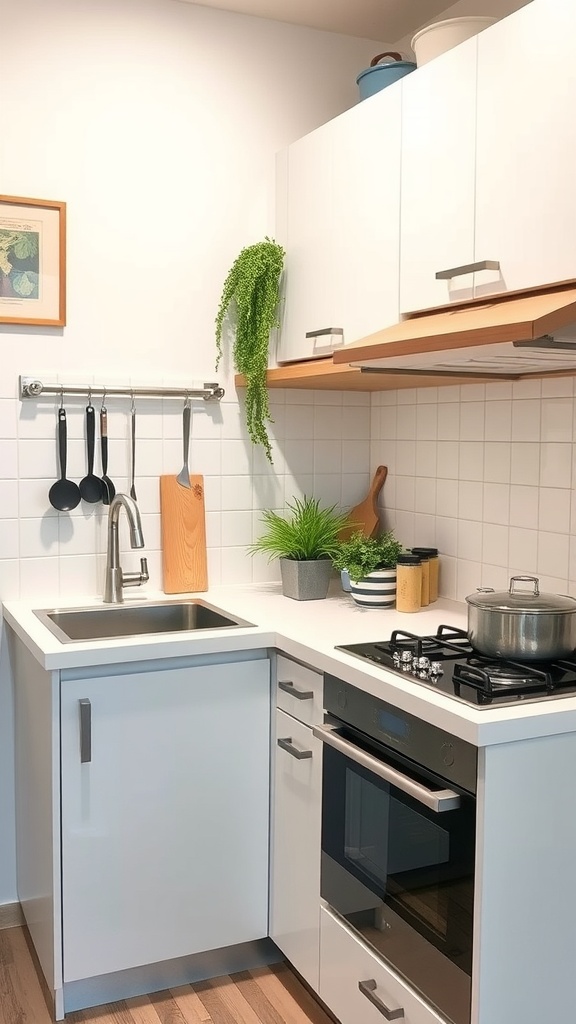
{"x": 64, "y": 494}
{"x": 363, "y": 518}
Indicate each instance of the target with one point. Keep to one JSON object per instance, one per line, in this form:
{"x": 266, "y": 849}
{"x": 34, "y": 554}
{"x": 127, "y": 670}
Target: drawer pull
{"x": 287, "y": 745}
{"x": 289, "y": 687}
{"x": 368, "y": 989}
{"x": 469, "y": 268}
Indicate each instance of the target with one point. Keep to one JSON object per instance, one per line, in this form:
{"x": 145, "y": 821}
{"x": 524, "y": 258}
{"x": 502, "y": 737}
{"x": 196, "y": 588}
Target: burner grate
{"x": 447, "y": 662}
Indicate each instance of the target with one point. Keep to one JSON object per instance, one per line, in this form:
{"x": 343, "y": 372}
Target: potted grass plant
{"x": 305, "y": 540}
{"x": 250, "y": 297}
{"x": 371, "y": 566}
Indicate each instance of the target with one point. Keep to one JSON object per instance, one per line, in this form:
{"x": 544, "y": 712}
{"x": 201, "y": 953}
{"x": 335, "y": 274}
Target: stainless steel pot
{"x": 522, "y": 623}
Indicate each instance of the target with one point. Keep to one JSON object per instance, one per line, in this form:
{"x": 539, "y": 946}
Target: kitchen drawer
{"x": 299, "y": 691}
{"x": 295, "y": 847}
{"x": 345, "y": 962}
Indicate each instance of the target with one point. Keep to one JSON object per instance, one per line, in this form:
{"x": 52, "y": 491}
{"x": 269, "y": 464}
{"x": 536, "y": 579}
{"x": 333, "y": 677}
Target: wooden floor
{"x": 268, "y": 995}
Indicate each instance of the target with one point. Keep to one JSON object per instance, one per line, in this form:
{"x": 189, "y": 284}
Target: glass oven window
{"x": 403, "y": 876}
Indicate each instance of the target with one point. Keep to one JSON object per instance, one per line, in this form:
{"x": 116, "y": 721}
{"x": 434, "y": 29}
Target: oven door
{"x": 398, "y": 864}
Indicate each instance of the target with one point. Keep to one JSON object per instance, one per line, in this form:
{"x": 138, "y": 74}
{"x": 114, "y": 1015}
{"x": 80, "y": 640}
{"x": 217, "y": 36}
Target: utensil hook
{"x": 61, "y": 397}
{"x": 103, "y": 406}
{"x": 187, "y": 401}
{"x": 133, "y": 406}
{"x": 89, "y": 395}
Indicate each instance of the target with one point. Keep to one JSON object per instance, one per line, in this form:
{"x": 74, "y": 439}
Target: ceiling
{"x": 382, "y": 20}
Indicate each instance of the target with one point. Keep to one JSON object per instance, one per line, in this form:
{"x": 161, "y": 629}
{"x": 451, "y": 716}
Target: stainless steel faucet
{"x": 115, "y": 578}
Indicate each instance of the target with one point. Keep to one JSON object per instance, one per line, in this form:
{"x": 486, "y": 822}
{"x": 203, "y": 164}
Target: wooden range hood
{"x": 508, "y": 337}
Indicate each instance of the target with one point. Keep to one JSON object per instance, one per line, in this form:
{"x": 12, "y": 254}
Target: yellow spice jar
{"x": 408, "y": 583}
{"x": 433, "y": 566}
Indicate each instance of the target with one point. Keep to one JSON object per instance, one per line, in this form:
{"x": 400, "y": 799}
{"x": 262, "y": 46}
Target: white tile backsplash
{"x": 485, "y": 472}
{"x": 524, "y": 506}
{"x": 505, "y": 460}
{"x": 526, "y": 416}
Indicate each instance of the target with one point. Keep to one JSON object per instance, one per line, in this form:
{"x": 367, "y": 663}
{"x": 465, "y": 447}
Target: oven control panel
{"x": 428, "y": 746}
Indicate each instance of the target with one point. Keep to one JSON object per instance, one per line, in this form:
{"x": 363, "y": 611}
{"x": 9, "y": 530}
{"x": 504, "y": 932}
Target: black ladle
{"x": 91, "y": 485}
{"x": 108, "y": 489}
{"x": 64, "y": 494}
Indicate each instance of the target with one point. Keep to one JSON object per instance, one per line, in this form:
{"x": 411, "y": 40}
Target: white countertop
{"x": 308, "y": 631}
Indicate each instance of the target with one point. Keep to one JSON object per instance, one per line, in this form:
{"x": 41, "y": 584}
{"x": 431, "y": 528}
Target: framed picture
{"x": 32, "y": 261}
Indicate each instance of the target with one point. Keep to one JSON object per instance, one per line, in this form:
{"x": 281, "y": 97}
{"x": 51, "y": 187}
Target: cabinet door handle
{"x": 287, "y": 745}
{"x": 289, "y": 687}
{"x": 368, "y": 989}
{"x": 85, "y": 730}
{"x": 469, "y": 268}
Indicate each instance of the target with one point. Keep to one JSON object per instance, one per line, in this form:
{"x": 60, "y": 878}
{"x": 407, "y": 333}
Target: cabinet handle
{"x": 469, "y": 268}
{"x": 85, "y": 730}
{"x": 287, "y": 745}
{"x": 289, "y": 687}
{"x": 368, "y": 989}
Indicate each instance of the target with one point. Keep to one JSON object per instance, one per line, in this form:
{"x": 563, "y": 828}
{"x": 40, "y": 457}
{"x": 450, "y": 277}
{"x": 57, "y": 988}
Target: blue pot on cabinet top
{"x": 378, "y": 76}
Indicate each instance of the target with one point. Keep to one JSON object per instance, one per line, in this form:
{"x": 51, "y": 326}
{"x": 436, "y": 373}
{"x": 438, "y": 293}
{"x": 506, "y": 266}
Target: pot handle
{"x": 534, "y": 580}
{"x": 390, "y": 53}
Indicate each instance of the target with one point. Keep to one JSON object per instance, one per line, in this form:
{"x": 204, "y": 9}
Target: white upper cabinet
{"x": 526, "y": 148}
{"x": 437, "y": 185}
{"x": 305, "y": 231}
{"x": 338, "y": 218}
{"x": 366, "y": 222}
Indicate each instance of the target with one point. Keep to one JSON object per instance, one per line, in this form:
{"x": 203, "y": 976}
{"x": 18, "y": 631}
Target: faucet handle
{"x": 144, "y": 570}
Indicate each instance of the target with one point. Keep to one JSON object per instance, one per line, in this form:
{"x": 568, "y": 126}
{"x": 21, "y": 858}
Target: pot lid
{"x": 523, "y": 596}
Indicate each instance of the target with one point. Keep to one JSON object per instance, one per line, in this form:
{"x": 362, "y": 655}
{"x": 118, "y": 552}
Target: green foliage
{"x": 360, "y": 555}
{"x": 309, "y": 532}
{"x": 251, "y": 292}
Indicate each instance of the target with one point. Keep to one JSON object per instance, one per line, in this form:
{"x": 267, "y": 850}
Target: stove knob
{"x": 423, "y": 662}
{"x": 406, "y": 657}
{"x": 396, "y": 658}
{"x": 436, "y": 668}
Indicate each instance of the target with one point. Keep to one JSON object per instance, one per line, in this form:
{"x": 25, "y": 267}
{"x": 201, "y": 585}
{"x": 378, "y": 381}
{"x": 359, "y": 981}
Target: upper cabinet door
{"x": 526, "y": 148}
{"x": 366, "y": 230}
{"x": 437, "y": 188}
{"x": 305, "y": 229}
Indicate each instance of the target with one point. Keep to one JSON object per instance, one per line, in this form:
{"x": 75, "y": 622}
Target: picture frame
{"x": 32, "y": 261}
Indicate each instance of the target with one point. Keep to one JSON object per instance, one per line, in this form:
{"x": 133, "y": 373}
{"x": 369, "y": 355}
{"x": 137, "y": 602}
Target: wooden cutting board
{"x": 364, "y": 517}
{"x": 184, "y": 561}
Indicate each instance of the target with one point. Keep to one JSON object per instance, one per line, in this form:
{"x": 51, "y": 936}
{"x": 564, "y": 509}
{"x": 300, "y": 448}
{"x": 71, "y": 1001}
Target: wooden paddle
{"x": 364, "y": 518}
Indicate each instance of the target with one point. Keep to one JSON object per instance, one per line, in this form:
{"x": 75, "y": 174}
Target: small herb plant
{"x": 309, "y": 532}
{"x": 250, "y": 293}
{"x": 361, "y": 555}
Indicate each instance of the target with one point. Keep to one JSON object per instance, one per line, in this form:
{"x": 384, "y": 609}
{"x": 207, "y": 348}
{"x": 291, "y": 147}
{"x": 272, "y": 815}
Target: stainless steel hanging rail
{"x": 31, "y": 387}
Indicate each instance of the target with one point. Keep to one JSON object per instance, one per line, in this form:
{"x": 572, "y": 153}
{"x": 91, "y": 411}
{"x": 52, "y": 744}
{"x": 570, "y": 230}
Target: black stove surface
{"x": 447, "y": 663}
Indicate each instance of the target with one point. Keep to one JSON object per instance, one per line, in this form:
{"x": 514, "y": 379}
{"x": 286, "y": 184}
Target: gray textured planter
{"x": 305, "y": 581}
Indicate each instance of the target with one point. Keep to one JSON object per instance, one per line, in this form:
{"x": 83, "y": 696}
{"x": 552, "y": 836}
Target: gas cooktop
{"x": 447, "y": 663}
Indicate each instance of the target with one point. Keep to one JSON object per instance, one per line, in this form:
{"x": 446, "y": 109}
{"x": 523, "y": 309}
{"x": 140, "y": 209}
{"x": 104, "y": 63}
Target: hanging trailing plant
{"x": 250, "y": 293}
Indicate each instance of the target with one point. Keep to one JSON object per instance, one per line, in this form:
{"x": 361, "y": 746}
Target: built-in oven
{"x": 398, "y": 841}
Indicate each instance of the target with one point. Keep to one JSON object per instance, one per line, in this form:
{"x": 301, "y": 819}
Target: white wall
{"x": 157, "y": 122}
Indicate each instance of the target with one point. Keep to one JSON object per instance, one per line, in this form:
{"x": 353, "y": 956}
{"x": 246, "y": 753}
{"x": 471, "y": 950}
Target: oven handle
{"x": 439, "y": 800}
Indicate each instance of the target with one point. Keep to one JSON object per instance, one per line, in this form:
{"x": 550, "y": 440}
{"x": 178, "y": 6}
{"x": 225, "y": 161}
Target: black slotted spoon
{"x": 64, "y": 494}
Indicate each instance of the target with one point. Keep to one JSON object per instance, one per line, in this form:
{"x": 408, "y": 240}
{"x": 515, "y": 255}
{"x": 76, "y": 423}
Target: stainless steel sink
{"x": 109, "y": 622}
